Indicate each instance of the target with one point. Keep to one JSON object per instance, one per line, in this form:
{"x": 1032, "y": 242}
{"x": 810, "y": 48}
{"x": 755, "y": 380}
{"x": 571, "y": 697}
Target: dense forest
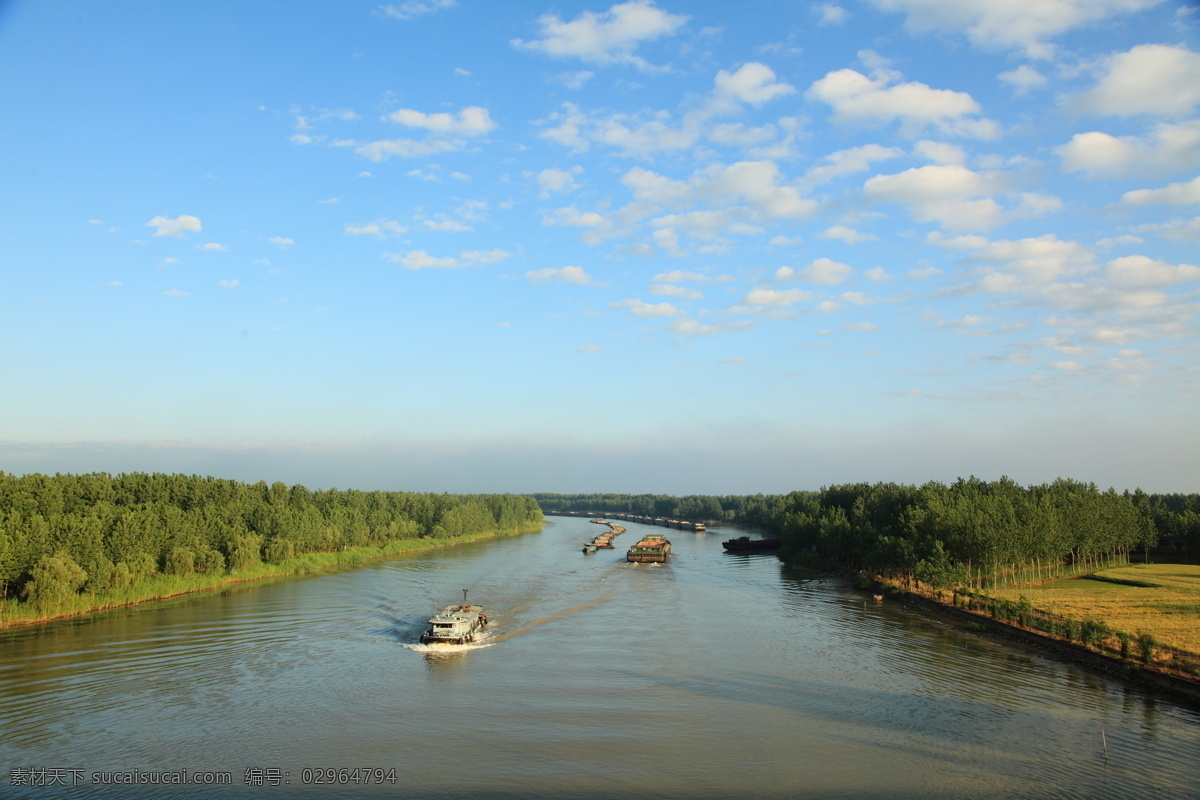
{"x": 64, "y": 535}
{"x": 967, "y": 532}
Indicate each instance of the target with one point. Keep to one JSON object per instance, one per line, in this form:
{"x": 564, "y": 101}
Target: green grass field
{"x": 1167, "y": 605}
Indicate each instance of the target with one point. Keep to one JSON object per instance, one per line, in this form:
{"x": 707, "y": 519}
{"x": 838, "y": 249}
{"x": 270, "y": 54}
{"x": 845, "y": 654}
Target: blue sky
{"x": 682, "y": 247}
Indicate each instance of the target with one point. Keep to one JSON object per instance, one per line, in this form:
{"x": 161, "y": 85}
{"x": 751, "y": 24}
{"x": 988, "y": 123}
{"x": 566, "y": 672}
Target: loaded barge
{"x": 651, "y": 549}
{"x": 604, "y": 540}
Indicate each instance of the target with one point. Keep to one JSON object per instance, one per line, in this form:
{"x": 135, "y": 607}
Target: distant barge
{"x": 652, "y": 549}
{"x": 604, "y": 540}
{"x": 744, "y": 544}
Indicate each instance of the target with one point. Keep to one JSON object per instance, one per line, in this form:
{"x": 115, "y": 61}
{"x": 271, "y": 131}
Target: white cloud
{"x": 575, "y": 275}
{"x": 230, "y": 284}
{"x": 675, "y": 276}
{"x": 940, "y": 152}
{"x": 649, "y": 132}
{"x": 956, "y": 197}
{"x": 860, "y": 326}
{"x": 671, "y": 290}
{"x": 1140, "y": 272}
{"x": 950, "y": 194}
{"x": 471, "y": 121}
{"x": 735, "y": 134}
{"x": 1024, "y": 79}
{"x": 1020, "y": 24}
{"x": 756, "y": 183}
{"x": 214, "y": 247}
{"x": 385, "y": 149}
{"x": 1040, "y": 260}
{"x": 176, "y": 293}
{"x": 576, "y": 80}
{"x": 1149, "y": 79}
{"x": 411, "y": 9}
{"x": 1169, "y": 147}
{"x": 692, "y": 327}
{"x": 1176, "y": 194}
{"x": 598, "y": 227}
{"x": 1179, "y": 230}
{"x": 855, "y": 97}
{"x": 282, "y": 241}
{"x": 557, "y": 180}
{"x": 419, "y": 259}
{"x": 753, "y": 84}
{"x": 822, "y": 271}
{"x": 379, "y": 228}
{"x": 174, "y": 227}
{"x": 589, "y": 348}
{"x": 639, "y": 308}
{"x": 446, "y": 226}
{"x": 1110, "y": 241}
{"x": 852, "y": 160}
{"x": 829, "y": 13}
{"x": 609, "y": 37}
{"x": 878, "y": 274}
{"x": 780, "y": 298}
{"x": 845, "y": 234}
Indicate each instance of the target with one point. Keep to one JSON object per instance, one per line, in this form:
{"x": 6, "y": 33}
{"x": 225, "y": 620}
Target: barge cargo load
{"x": 651, "y": 549}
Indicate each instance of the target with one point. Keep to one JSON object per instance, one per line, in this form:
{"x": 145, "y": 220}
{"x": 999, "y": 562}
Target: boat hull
{"x": 744, "y": 544}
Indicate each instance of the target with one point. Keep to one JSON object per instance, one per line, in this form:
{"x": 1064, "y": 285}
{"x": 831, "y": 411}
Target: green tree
{"x": 54, "y": 580}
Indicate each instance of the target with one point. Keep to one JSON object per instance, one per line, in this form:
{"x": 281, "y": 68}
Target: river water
{"x": 714, "y": 676}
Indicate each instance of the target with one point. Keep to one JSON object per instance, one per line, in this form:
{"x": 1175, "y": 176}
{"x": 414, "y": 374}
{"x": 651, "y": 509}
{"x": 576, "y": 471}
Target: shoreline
{"x": 306, "y": 564}
{"x": 1178, "y": 687}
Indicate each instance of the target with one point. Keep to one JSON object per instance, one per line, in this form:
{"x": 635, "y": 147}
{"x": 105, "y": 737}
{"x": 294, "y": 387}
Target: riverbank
{"x": 14, "y": 614}
{"x": 1002, "y": 619}
{"x": 1179, "y": 687}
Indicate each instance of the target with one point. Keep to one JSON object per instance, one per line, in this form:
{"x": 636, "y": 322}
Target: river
{"x": 714, "y": 676}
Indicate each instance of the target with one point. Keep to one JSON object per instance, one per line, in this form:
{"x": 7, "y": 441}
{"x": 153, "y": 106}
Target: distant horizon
{"x": 692, "y": 247}
{"x": 247, "y": 475}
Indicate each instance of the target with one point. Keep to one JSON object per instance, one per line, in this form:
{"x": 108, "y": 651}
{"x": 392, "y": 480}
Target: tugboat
{"x": 455, "y": 624}
{"x": 652, "y": 549}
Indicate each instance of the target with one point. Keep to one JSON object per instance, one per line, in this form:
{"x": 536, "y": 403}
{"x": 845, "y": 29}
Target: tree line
{"x": 961, "y": 533}
{"x": 65, "y": 534}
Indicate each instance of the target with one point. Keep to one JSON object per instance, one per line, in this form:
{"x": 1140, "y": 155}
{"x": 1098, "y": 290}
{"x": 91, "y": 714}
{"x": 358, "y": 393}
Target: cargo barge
{"x": 651, "y": 549}
{"x": 744, "y": 544}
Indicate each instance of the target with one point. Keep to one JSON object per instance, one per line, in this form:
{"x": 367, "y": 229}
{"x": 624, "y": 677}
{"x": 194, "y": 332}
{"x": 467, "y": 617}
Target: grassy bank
{"x": 1138, "y": 616}
{"x": 161, "y": 587}
{"x": 1160, "y": 599}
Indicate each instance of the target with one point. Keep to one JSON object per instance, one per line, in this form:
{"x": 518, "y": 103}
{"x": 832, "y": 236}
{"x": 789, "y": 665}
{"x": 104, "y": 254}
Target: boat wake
{"x": 444, "y": 649}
